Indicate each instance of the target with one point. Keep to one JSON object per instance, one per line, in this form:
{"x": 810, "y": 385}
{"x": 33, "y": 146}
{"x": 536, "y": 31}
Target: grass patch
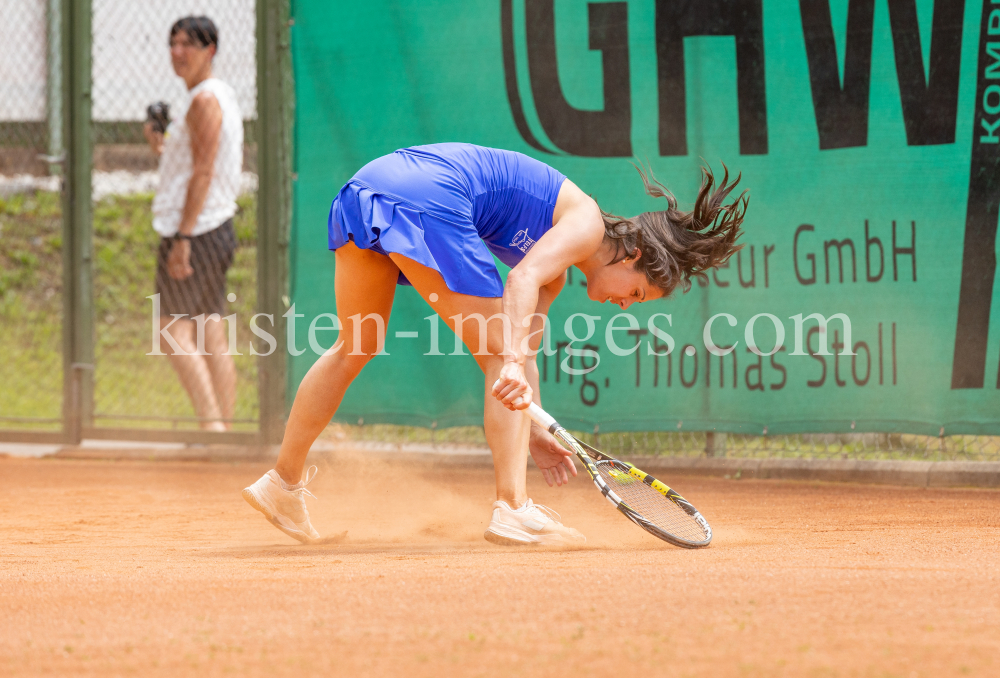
{"x": 31, "y": 309}
{"x": 872, "y": 446}
{"x": 127, "y": 382}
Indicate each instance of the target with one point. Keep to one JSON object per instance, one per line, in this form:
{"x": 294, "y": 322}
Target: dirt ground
{"x": 161, "y": 569}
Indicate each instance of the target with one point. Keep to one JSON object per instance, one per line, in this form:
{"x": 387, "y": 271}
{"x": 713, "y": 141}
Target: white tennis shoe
{"x": 284, "y": 505}
{"x": 530, "y": 524}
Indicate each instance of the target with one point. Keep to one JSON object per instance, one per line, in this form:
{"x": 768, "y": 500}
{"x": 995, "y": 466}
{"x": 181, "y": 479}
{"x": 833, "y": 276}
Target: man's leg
{"x": 222, "y": 368}
{"x": 194, "y": 372}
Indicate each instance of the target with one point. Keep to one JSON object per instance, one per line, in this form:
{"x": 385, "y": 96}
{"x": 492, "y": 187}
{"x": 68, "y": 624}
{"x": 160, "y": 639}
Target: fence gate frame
{"x": 275, "y": 115}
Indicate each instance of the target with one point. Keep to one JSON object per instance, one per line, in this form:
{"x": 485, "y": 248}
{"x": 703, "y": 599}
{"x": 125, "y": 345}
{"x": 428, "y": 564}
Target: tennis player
{"x": 432, "y": 217}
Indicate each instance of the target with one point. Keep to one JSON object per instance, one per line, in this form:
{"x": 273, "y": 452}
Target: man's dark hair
{"x": 201, "y": 29}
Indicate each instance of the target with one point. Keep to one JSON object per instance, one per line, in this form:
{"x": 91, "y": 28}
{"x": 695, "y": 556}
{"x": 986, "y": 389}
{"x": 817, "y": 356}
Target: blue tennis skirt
{"x": 422, "y": 203}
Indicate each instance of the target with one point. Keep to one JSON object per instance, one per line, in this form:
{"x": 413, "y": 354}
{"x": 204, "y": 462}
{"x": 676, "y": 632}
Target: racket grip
{"x": 537, "y": 414}
{"x": 517, "y": 401}
{"x": 541, "y": 417}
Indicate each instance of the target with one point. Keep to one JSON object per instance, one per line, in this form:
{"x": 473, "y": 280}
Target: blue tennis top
{"x": 449, "y": 207}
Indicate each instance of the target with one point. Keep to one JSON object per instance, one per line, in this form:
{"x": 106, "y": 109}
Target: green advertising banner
{"x": 866, "y": 132}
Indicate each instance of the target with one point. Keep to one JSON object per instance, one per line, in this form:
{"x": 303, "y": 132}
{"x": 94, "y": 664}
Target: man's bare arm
{"x": 204, "y": 120}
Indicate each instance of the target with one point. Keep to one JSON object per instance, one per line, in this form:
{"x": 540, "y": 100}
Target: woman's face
{"x": 188, "y": 56}
{"x": 621, "y": 284}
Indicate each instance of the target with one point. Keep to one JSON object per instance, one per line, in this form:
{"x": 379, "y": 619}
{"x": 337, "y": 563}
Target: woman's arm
{"x": 204, "y": 120}
{"x": 577, "y": 232}
{"x": 553, "y": 460}
{"x": 546, "y": 295}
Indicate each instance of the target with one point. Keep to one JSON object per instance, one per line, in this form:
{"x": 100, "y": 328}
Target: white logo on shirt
{"x": 522, "y": 241}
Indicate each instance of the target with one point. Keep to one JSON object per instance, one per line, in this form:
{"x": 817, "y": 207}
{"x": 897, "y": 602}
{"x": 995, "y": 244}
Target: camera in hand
{"x": 159, "y": 115}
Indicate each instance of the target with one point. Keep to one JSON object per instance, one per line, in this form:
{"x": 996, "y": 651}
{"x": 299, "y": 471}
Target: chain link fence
{"x": 143, "y": 182}
{"x": 31, "y": 266}
{"x": 133, "y": 68}
{"x": 874, "y": 446}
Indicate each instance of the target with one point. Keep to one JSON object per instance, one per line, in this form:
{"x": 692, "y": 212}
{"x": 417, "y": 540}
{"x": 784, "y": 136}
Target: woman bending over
{"x": 432, "y": 217}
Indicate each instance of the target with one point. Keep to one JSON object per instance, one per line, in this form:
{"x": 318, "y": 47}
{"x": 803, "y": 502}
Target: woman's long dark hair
{"x": 676, "y": 246}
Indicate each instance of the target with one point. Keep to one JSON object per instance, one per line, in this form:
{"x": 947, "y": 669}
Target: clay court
{"x": 161, "y": 569}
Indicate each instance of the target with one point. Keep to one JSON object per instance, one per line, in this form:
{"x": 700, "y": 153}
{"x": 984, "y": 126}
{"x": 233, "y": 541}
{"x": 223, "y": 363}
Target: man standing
{"x": 201, "y": 156}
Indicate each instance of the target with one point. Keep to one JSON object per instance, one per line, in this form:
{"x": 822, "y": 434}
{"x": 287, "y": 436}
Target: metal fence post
{"x": 78, "y": 308}
{"x": 274, "y": 120}
{"x": 53, "y": 83}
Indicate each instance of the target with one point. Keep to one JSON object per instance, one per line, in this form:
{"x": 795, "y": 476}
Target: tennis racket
{"x": 643, "y": 499}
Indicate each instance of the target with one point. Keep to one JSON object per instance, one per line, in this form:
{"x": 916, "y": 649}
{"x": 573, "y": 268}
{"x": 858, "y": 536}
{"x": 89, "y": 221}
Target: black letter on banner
{"x": 753, "y": 269}
{"x": 930, "y": 105}
{"x": 742, "y": 19}
{"x": 841, "y": 112}
{"x": 589, "y": 402}
{"x": 758, "y": 368}
{"x": 869, "y": 243}
{"x": 910, "y": 251}
{"x": 840, "y": 244}
{"x": 680, "y": 368}
{"x": 595, "y": 134}
{"x": 780, "y": 368}
{"x": 638, "y": 354}
{"x": 510, "y": 78}
{"x": 979, "y": 260}
{"x": 822, "y": 361}
{"x": 854, "y": 363}
{"x": 810, "y": 257}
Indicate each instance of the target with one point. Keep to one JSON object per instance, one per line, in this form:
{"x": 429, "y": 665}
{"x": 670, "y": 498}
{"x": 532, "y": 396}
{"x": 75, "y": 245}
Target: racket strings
{"x": 651, "y": 504}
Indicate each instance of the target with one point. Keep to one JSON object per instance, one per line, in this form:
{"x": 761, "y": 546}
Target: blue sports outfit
{"x": 448, "y": 207}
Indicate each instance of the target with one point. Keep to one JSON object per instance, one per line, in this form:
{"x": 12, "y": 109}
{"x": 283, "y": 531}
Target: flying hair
{"x": 676, "y": 246}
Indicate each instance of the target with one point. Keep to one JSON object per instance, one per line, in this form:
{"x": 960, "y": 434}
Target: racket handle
{"x": 537, "y": 414}
{"x": 517, "y": 401}
{"x": 542, "y": 418}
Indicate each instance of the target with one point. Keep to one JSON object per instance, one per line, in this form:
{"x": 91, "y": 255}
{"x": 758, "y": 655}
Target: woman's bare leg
{"x": 507, "y": 435}
{"x": 365, "y": 283}
{"x": 506, "y": 431}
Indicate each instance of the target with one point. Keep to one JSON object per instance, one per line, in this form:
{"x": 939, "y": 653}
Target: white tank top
{"x": 176, "y": 166}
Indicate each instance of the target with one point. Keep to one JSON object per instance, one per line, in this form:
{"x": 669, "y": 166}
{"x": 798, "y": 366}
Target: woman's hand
{"x": 179, "y": 260}
{"x": 511, "y": 385}
{"x": 550, "y": 457}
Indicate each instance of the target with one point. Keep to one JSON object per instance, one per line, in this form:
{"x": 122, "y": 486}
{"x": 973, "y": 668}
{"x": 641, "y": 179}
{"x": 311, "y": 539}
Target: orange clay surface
{"x": 161, "y": 569}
